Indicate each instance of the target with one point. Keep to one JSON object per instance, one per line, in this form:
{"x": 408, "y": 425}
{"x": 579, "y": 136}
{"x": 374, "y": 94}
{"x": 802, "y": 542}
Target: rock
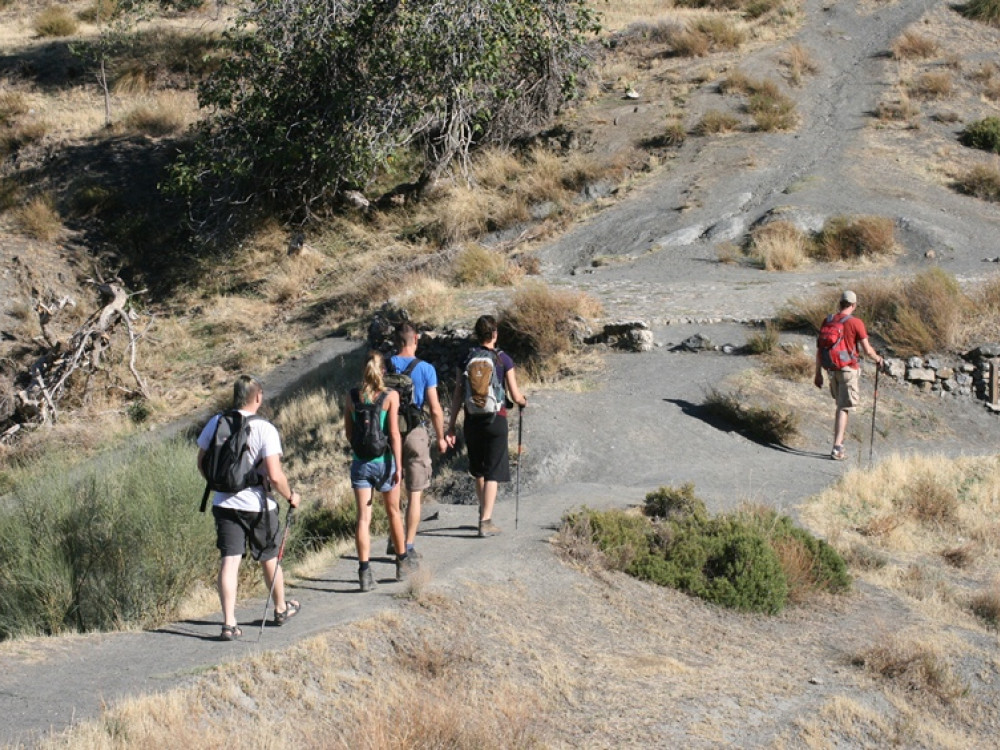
{"x": 599, "y": 189}
{"x": 949, "y": 385}
{"x": 983, "y": 351}
{"x": 963, "y": 379}
{"x": 933, "y": 363}
{"x": 896, "y": 368}
{"x": 945, "y": 373}
{"x": 631, "y": 94}
{"x": 696, "y": 343}
{"x": 685, "y": 236}
{"x": 543, "y": 210}
{"x": 727, "y": 229}
{"x": 637, "y": 340}
{"x": 920, "y": 375}
{"x": 915, "y": 362}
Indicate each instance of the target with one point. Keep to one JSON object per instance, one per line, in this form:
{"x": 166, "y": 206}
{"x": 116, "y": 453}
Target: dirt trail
{"x": 637, "y": 424}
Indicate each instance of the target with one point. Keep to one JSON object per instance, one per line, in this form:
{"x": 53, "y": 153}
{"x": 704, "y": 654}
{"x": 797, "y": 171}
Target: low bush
{"x": 792, "y": 363}
{"x": 155, "y": 119}
{"x": 913, "y": 46}
{"x": 982, "y": 181}
{"x": 721, "y": 31}
{"x": 984, "y": 11}
{"x": 849, "y": 238}
{"x": 899, "y": 110}
{"x": 764, "y": 424}
{"x": 771, "y": 111}
{"x": 541, "y": 322}
{"x": 115, "y": 543}
{"x": 732, "y": 560}
{"x": 929, "y": 316}
{"x": 986, "y": 606}
{"x": 55, "y": 21}
{"x": 982, "y": 134}
{"x": 12, "y": 104}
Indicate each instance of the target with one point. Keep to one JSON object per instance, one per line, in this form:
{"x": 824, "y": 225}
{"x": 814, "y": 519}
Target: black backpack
{"x": 410, "y": 415}
{"x": 368, "y": 439}
{"x": 226, "y": 463}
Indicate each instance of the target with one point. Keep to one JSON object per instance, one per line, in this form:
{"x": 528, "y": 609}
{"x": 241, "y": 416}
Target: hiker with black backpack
{"x": 416, "y": 382}
{"x": 484, "y": 388}
{"x": 239, "y": 454}
{"x": 371, "y": 416}
{"x": 837, "y": 345}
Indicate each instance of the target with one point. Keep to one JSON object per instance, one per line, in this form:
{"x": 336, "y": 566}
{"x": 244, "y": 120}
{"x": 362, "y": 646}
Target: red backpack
{"x": 832, "y": 344}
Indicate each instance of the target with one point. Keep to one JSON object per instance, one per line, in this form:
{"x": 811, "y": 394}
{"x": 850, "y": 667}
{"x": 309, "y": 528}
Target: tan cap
{"x": 849, "y": 297}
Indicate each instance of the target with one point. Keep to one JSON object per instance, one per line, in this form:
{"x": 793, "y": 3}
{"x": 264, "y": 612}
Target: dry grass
{"x": 798, "y": 62}
{"x": 779, "y": 246}
{"x": 476, "y": 265}
{"x": 852, "y": 238}
{"x": 429, "y": 301}
{"x": 715, "y": 122}
{"x": 901, "y": 109}
{"x": 913, "y": 46}
{"x": 722, "y": 32}
{"x": 986, "y": 606}
{"x": 39, "y": 218}
{"x": 792, "y": 363}
{"x": 12, "y": 105}
{"x": 687, "y": 42}
{"x": 982, "y": 181}
{"x": 911, "y": 665}
{"x": 157, "y": 118}
{"x": 55, "y": 21}
{"x": 933, "y": 85}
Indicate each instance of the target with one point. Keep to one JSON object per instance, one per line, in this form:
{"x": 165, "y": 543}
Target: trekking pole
{"x": 871, "y": 444}
{"x": 517, "y": 481}
{"x": 277, "y": 564}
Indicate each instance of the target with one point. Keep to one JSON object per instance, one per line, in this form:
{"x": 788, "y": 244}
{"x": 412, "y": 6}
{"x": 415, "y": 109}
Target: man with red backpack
{"x": 837, "y": 353}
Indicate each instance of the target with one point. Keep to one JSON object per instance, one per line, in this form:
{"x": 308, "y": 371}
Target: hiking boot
{"x": 405, "y": 568}
{"x": 488, "y": 528}
{"x": 412, "y": 552}
{"x": 838, "y": 453}
{"x": 366, "y": 579}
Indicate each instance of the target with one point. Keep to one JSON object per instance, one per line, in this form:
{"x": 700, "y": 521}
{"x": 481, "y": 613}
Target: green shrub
{"x": 984, "y": 11}
{"x": 738, "y": 560}
{"x": 98, "y": 547}
{"x": 982, "y": 134}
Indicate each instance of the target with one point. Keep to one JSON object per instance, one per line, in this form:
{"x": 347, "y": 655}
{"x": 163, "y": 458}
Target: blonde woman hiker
{"x": 372, "y": 429}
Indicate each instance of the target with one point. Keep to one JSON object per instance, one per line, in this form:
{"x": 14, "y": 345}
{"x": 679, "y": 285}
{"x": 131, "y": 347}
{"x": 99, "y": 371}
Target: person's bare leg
{"x": 413, "y": 515}
{"x": 362, "y": 536}
{"x": 489, "y": 496}
{"x": 391, "y": 500}
{"x": 272, "y": 572}
{"x": 840, "y": 427}
{"x": 229, "y": 571}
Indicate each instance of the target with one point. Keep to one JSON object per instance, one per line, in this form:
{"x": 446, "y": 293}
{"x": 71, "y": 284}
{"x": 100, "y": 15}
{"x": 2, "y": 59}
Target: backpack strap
{"x": 411, "y": 367}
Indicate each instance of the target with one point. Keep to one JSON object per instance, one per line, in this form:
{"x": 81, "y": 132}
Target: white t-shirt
{"x": 262, "y": 442}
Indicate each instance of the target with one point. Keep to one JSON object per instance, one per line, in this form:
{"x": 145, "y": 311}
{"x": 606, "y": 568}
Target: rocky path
{"x": 636, "y": 424}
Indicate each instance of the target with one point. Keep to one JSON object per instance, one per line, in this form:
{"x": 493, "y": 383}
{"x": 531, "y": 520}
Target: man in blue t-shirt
{"x": 417, "y": 468}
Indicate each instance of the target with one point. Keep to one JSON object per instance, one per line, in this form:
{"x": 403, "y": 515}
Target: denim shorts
{"x": 377, "y": 475}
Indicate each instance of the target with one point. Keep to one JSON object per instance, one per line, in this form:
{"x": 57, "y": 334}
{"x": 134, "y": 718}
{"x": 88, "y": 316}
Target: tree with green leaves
{"x": 318, "y": 95}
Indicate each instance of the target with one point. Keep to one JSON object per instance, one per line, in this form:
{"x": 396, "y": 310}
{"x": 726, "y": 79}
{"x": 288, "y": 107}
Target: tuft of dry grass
{"x": 12, "y": 105}
{"x": 477, "y": 265}
{"x": 779, "y": 246}
{"x": 764, "y": 341}
{"x": 902, "y": 109}
{"x": 961, "y": 556}
{"x": 687, "y": 42}
{"x": 913, "y": 46}
{"x": 912, "y": 665}
{"x": 851, "y": 238}
{"x": 769, "y": 425}
{"x": 429, "y": 300}
{"x": 986, "y": 606}
{"x": 982, "y": 181}
{"x": 715, "y": 122}
{"x": 792, "y": 363}
{"x": 721, "y": 31}
{"x": 39, "y": 218}
{"x": 156, "y": 118}
{"x": 984, "y": 11}
{"x": 55, "y": 21}
{"x": 798, "y": 62}
{"x": 933, "y": 85}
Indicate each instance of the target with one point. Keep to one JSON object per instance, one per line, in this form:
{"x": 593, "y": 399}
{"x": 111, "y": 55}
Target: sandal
{"x": 230, "y": 633}
{"x": 291, "y": 609}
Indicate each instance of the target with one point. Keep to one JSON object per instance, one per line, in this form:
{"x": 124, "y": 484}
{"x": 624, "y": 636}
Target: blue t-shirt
{"x": 424, "y": 376}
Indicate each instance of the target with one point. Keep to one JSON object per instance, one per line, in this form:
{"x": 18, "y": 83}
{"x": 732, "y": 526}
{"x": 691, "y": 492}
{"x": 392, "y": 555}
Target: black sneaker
{"x": 366, "y": 579}
{"x": 412, "y": 552}
{"x": 405, "y": 568}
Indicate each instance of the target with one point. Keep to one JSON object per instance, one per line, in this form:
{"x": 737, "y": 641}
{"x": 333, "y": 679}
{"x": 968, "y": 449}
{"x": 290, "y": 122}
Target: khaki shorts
{"x": 417, "y": 459}
{"x": 845, "y": 387}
